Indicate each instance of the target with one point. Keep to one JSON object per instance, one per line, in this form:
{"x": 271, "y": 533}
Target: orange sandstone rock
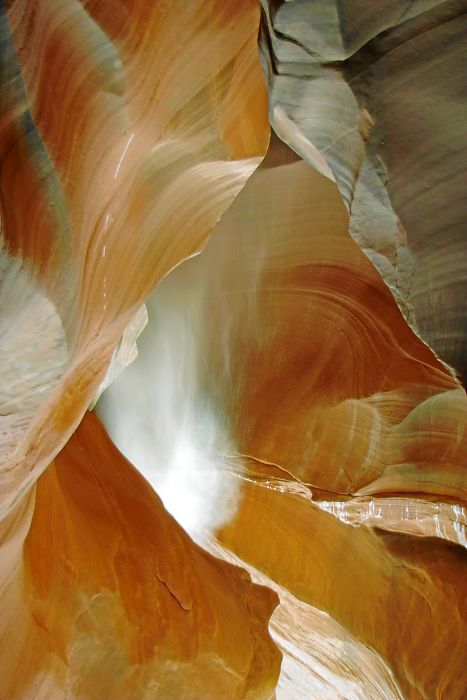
{"x": 112, "y": 599}
{"x": 118, "y": 157}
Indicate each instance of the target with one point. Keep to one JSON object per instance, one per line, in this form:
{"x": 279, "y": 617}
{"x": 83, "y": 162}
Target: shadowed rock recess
{"x": 233, "y": 439}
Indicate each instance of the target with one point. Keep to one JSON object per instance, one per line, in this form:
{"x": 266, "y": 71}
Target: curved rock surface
{"x": 294, "y": 431}
{"x": 112, "y": 599}
{"x": 112, "y": 173}
{"x": 284, "y": 331}
{"x": 380, "y": 95}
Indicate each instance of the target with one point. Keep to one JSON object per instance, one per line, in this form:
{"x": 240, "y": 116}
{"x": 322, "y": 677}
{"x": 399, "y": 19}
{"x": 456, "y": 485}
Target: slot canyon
{"x": 233, "y": 350}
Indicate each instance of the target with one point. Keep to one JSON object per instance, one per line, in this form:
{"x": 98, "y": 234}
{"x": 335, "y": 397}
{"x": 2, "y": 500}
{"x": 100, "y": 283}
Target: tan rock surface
{"x": 403, "y": 596}
{"x": 112, "y": 599}
{"x": 285, "y": 330}
{"x": 285, "y": 399}
{"x": 113, "y": 171}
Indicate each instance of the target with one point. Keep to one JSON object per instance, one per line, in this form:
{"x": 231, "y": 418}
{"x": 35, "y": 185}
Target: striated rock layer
{"x": 347, "y": 435}
{"x": 380, "y": 95}
{"x": 117, "y": 161}
{"x": 295, "y": 401}
{"x": 126, "y": 130}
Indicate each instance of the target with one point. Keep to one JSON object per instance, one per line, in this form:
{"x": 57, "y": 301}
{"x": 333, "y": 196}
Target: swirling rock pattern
{"x": 293, "y": 395}
{"x": 113, "y": 171}
{"x": 342, "y": 420}
{"x": 120, "y": 150}
{"x": 380, "y": 95}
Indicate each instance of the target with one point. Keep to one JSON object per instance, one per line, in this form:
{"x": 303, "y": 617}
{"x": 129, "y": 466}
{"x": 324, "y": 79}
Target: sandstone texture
{"x": 233, "y": 439}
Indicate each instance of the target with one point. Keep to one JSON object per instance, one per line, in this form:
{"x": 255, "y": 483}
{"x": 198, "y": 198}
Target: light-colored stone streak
{"x": 120, "y": 153}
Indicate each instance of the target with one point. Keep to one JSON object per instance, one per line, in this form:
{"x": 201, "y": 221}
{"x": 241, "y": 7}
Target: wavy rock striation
{"x": 113, "y": 171}
{"x": 292, "y": 403}
{"x": 380, "y": 96}
{"x": 126, "y": 130}
{"x": 347, "y": 442}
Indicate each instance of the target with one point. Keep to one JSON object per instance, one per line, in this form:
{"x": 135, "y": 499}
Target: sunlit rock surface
{"x": 126, "y": 132}
{"x": 320, "y": 659}
{"x": 117, "y": 601}
{"x": 285, "y": 388}
{"x": 283, "y": 336}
